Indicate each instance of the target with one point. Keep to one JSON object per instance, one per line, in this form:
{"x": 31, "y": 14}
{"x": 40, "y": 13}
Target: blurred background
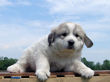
{"x": 23, "y": 22}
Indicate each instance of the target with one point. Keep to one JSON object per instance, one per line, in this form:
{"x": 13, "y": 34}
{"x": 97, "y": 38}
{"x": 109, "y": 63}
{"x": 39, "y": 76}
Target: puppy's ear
{"x": 88, "y": 41}
{"x": 51, "y": 38}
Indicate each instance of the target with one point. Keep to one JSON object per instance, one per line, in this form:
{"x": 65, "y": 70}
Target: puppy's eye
{"x": 64, "y": 34}
{"x": 76, "y": 35}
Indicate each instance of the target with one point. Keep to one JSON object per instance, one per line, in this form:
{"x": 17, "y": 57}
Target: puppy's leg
{"x": 42, "y": 68}
{"x": 69, "y": 68}
{"x": 80, "y": 68}
{"x": 20, "y": 65}
{"x": 18, "y": 68}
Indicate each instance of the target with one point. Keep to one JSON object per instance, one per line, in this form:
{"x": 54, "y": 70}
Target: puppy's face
{"x": 68, "y": 36}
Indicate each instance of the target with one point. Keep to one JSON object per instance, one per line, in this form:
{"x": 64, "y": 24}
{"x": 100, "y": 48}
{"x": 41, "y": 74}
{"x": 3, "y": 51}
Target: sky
{"x": 23, "y": 22}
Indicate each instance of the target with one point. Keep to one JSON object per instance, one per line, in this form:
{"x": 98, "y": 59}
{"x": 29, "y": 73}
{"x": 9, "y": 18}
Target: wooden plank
{"x": 62, "y": 73}
{"x": 53, "y": 76}
{"x": 100, "y": 79}
{"x": 5, "y": 80}
{"x": 62, "y": 79}
{"x": 79, "y": 79}
{"x": 1, "y": 77}
{"x": 72, "y": 79}
{"x": 29, "y": 80}
{"x": 17, "y": 74}
{"x": 104, "y": 76}
{"x": 25, "y": 80}
{"x": 97, "y": 72}
{"x": 102, "y": 71}
{"x": 54, "y": 80}
{"x": 69, "y": 75}
{"x": 15, "y": 80}
{"x": 32, "y": 76}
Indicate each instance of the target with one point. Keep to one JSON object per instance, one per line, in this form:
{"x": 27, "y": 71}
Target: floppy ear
{"x": 88, "y": 41}
{"x": 51, "y": 38}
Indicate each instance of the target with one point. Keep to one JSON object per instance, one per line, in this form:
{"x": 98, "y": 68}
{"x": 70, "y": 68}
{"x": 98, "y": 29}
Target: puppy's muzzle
{"x": 70, "y": 44}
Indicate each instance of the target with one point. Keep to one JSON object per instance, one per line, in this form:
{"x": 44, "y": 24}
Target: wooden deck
{"x": 100, "y": 76}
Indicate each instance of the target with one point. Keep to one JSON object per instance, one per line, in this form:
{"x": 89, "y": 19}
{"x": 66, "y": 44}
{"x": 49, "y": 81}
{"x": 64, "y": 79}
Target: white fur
{"x": 40, "y": 57}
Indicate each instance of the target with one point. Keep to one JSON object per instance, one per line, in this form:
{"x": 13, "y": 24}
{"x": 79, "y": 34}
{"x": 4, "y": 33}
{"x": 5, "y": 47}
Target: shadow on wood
{"x": 100, "y": 76}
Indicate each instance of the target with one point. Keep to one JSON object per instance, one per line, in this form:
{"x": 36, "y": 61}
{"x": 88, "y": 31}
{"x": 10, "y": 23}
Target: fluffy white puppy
{"x": 60, "y": 50}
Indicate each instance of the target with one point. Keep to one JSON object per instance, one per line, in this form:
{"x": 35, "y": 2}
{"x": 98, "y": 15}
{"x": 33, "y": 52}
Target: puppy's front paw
{"x": 42, "y": 75}
{"x": 15, "y": 68}
{"x": 87, "y": 73}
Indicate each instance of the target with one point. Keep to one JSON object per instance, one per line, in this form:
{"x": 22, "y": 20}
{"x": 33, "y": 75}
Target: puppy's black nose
{"x": 70, "y": 42}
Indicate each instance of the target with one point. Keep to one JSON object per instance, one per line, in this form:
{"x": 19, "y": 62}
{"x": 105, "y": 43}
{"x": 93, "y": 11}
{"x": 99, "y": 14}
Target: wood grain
{"x": 100, "y": 76}
{"x": 97, "y": 72}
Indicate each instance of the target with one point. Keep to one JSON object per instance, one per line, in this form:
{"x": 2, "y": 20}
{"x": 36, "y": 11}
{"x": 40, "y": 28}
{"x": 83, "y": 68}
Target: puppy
{"x": 60, "y": 50}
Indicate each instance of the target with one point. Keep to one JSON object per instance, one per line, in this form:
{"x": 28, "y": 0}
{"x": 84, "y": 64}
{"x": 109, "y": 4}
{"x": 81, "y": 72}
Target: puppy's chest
{"x": 58, "y": 61}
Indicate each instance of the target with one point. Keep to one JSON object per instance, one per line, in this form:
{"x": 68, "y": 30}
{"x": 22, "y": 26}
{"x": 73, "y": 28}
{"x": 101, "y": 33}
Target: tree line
{"x": 5, "y": 62}
{"x": 98, "y": 66}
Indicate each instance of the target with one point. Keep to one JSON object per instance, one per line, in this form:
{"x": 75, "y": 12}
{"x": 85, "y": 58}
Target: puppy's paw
{"x": 15, "y": 68}
{"x": 42, "y": 75}
{"x": 87, "y": 73}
